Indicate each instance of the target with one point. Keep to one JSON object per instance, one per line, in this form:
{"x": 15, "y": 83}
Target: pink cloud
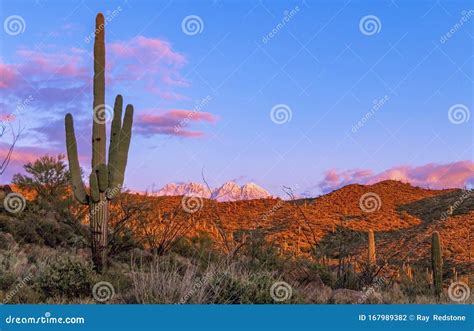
{"x": 151, "y": 61}
{"x": 145, "y": 49}
{"x": 8, "y": 75}
{"x": 70, "y": 63}
{"x": 432, "y": 175}
{"x": 173, "y": 122}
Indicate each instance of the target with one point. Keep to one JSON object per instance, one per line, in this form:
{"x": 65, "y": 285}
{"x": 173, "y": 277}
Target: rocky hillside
{"x": 402, "y": 217}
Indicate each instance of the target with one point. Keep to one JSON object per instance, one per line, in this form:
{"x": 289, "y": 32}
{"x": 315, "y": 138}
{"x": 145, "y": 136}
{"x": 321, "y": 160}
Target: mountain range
{"x": 229, "y": 191}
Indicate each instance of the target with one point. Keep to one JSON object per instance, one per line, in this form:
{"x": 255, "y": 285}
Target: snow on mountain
{"x": 229, "y": 191}
{"x": 193, "y": 189}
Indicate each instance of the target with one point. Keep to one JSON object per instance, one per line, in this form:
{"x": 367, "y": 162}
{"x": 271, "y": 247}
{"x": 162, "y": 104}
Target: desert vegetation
{"x": 159, "y": 253}
{"x": 60, "y": 243}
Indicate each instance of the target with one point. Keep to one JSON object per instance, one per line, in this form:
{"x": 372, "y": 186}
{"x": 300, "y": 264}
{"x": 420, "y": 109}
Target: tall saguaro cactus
{"x": 106, "y": 179}
{"x": 437, "y": 263}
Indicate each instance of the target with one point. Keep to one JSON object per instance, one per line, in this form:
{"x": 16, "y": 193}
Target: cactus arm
{"x": 115, "y": 137}
{"x": 102, "y": 177}
{"x": 74, "y": 167}
{"x": 94, "y": 187}
{"x": 124, "y": 145}
{"x": 98, "y": 124}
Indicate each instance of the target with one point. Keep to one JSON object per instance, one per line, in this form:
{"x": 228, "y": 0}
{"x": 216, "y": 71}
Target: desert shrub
{"x": 6, "y": 240}
{"x": 40, "y": 227}
{"x": 199, "y": 248}
{"x": 415, "y": 286}
{"x": 48, "y": 177}
{"x": 326, "y": 275}
{"x": 238, "y": 286}
{"x": 121, "y": 245}
{"x": 67, "y": 277}
{"x": 347, "y": 279}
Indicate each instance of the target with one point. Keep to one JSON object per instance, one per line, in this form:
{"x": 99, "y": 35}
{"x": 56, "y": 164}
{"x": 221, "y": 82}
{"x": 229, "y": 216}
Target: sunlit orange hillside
{"x": 402, "y": 217}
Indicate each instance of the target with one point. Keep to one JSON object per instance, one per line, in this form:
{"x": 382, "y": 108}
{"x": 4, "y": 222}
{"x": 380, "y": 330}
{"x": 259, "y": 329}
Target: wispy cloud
{"x": 173, "y": 122}
{"x": 151, "y": 61}
{"x": 432, "y": 175}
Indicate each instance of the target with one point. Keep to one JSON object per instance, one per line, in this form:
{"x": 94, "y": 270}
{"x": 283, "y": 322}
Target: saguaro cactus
{"x": 371, "y": 239}
{"x": 106, "y": 179}
{"x": 437, "y": 263}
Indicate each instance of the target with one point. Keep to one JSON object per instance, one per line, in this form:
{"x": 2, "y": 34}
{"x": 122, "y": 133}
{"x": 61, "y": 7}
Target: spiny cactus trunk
{"x": 99, "y": 230}
{"x": 99, "y": 216}
{"x": 437, "y": 263}
{"x": 105, "y": 180}
{"x": 371, "y": 256}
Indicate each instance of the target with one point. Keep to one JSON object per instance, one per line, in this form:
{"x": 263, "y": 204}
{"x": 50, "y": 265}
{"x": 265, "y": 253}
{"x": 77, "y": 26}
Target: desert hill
{"x": 402, "y": 217}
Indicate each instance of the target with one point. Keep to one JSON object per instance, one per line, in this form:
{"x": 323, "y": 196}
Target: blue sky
{"x": 326, "y": 70}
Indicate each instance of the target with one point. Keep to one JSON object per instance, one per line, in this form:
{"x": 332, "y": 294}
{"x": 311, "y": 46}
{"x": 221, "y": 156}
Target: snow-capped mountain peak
{"x": 229, "y": 191}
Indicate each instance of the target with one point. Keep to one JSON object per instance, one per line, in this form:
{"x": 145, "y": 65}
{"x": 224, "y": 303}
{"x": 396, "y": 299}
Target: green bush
{"x": 67, "y": 277}
{"x": 234, "y": 287}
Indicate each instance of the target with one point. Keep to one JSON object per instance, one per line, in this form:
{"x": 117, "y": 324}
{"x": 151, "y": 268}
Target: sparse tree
{"x": 48, "y": 176}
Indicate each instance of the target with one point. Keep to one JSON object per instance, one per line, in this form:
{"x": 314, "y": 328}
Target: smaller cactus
{"x": 437, "y": 263}
{"x": 408, "y": 271}
{"x": 371, "y": 239}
